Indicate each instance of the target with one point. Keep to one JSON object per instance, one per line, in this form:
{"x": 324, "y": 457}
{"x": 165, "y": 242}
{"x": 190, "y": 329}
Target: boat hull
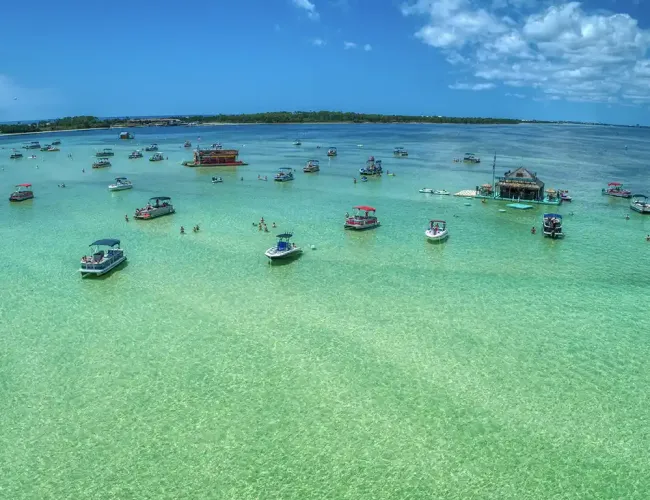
{"x": 361, "y": 227}
{"x": 274, "y": 254}
{"x": 20, "y": 198}
{"x": 437, "y": 236}
{"x": 553, "y": 235}
{"x": 641, "y": 210}
{"x": 85, "y": 271}
{"x": 114, "y": 187}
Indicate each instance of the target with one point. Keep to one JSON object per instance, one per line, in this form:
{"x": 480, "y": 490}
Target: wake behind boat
{"x": 101, "y": 260}
{"x": 284, "y": 249}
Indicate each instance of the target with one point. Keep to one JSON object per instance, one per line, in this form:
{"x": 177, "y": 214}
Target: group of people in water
{"x": 195, "y": 229}
{"x": 261, "y": 225}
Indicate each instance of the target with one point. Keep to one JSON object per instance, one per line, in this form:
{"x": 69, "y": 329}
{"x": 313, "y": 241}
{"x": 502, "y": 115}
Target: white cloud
{"x": 312, "y": 13}
{"x": 349, "y": 45}
{"x": 18, "y": 102}
{"x": 318, "y": 42}
{"x": 367, "y": 47}
{"x": 562, "y": 50}
{"x": 518, "y": 96}
{"x": 472, "y": 86}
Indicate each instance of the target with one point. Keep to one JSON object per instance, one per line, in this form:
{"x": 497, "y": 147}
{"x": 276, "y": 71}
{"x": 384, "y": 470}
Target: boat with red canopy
{"x": 363, "y": 218}
{"x": 616, "y": 189}
{"x": 23, "y": 192}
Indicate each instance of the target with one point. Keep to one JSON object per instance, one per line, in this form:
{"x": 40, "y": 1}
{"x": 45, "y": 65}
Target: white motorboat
{"x": 552, "y": 226}
{"x": 426, "y": 190}
{"x": 156, "y": 207}
{"x": 437, "y": 230}
{"x": 640, "y": 204}
{"x": 120, "y": 184}
{"x": 216, "y": 180}
{"x": 153, "y": 147}
{"x": 135, "y": 154}
{"x": 284, "y": 249}
{"x": 102, "y": 260}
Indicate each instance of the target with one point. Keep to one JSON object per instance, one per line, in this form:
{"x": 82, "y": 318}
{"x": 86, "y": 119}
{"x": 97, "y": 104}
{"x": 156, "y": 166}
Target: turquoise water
{"x": 496, "y": 365}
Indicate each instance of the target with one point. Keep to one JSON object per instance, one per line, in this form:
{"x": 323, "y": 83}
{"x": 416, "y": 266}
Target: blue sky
{"x": 529, "y": 59}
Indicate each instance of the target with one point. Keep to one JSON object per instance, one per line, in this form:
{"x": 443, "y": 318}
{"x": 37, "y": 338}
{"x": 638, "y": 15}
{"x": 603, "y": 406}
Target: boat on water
{"x": 15, "y": 155}
{"x": 216, "y": 180}
{"x": 135, "y": 154}
{"x": 426, "y": 190}
{"x": 105, "y": 153}
{"x": 56, "y": 142}
{"x": 363, "y": 218}
{"x": 126, "y": 135}
{"x": 187, "y": 144}
{"x": 312, "y": 166}
{"x": 157, "y": 157}
{"x": 616, "y": 189}
{"x": 640, "y": 204}
{"x": 215, "y": 157}
{"x": 297, "y": 142}
{"x": 102, "y": 163}
{"x": 373, "y": 167}
{"x": 32, "y": 145}
{"x": 552, "y": 226}
{"x": 284, "y": 174}
{"x": 284, "y": 249}
{"x": 564, "y": 196}
{"x": 437, "y": 230}
{"x": 216, "y": 146}
{"x": 400, "y": 152}
{"x": 331, "y": 151}
{"x": 152, "y": 147}
{"x": 46, "y": 147}
{"x": 105, "y": 255}
{"x": 120, "y": 184}
{"x": 52, "y": 149}
{"x": 23, "y": 192}
{"x": 471, "y": 158}
{"x": 156, "y": 207}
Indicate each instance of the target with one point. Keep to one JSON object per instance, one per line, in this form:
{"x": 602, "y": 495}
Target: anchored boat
{"x": 373, "y": 167}
{"x": 126, "y": 135}
{"x": 400, "y": 152}
{"x": 216, "y": 180}
{"x": 156, "y": 207}
{"x": 215, "y": 156}
{"x": 437, "y": 230}
{"x": 616, "y": 189}
{"x": 284, "y": 249}
{"x": 312, "y": 166}
{"x": 187, "y": 144}
{"x": 104, "y": 153}
{"x": 102, "y": 163}
{"x": 640, "y": 204}
{"x": 297, "y": 142}
{"x": 120, "y": 184}
{"x": 106, "y": 254}
{"x": 471, "y": 158}
{"x": 157, "y": 157}
{"x": 332, "y": 151}
{"x": 363, "y": 218}
{"x": 284, "y": 174}
{"x": 135, "y": 154}
{"x": 552, "y": 226}
{"x": 32, "y": 145}
{"x": 23, "y": 192}
{"x": 15, "y": 155}
{"x": 152, "y": 147}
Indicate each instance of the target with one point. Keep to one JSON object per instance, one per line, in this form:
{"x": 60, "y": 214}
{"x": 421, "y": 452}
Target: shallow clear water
{"x": 496, "y": 365}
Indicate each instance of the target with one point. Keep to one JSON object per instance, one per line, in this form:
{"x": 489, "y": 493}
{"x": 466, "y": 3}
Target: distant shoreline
{"x": 56, "y": 131}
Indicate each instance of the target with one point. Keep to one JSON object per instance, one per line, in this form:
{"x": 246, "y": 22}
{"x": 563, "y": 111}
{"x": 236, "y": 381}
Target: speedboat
{"x": 471, "y": 158}
{"x": 284, "y": 249}
{"x": 102, "y": 260}
{"x": 332, "y": 152}
{"x": 284, "y": 174}
{"x": 312, "y": 166}
{"x": 616, "y": 189}
{"x": 32, "y": 145}
{"x": 297, "y": 142}
{"x": 52, "y": 149}
{"x": 153, "y": 147}
{"x": 426, "y": 190}
{"x": 363, "y": 218}
{"x": 121, "y": 183}
{"x": 441, "y": 192}
{"x": 373, "y": 167}
{"x": 46, "y": 147}
{"x": 102, "y": 163}
{"x": 552, "y": 226}
{"x": 564, "y": 195}
{"x": 216, "y": 180}
{"x": 23, "y": 192}
{"x": 104, "y": 153}
{"x": 437, "y": 230}
{"x": 400, "y": 151}
{"x": 157, "y": 207}
{"x": 157, "y": 157}
{"x": 135, "y": 154}
{"x": 56, "y": 142}
{"x": 15, "y": 155}
{"x": 187, "y": 144}
{"x": 640, "y": 204}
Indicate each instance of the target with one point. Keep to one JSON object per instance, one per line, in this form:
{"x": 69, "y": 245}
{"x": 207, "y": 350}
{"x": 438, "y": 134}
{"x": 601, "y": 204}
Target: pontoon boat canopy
{"x": 109, "y": 242}
{"x": 160, "y": 198}
{"x": 285, "y": 235}
{"x": 365, "y": 208}
{"x": 24, "y": 185}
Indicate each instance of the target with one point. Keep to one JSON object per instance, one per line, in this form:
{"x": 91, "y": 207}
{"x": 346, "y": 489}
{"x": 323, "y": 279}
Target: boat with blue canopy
{"x": 105, "y": 255}
{"x": 552, "y": 226}
{"x": 373, "y": 167}
{"x": 284, "y": 248}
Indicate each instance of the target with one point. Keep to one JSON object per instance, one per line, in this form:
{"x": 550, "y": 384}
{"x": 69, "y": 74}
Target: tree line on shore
{"x": 91, "y": 122}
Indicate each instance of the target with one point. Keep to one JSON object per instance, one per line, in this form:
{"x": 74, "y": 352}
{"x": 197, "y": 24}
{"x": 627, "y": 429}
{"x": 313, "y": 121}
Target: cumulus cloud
{"x": 309, "y": 7}
{"x": 472, "y": 86}
{"x": 349, "y": 45}
{"x": 562, "y": 51}
{"x": 367, "y": 47}
{"x": 318, "y": 42}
